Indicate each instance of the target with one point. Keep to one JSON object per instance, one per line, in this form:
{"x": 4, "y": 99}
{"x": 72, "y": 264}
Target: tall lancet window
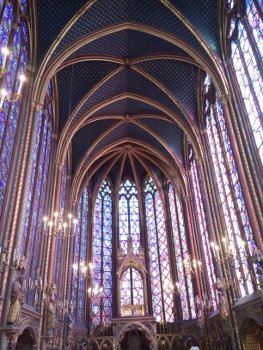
{"x": 129, "y": 225}
{"x": 32, "y": 238}
{"x": 182, "y": 256}
{"x": 201, "y": 222}
{"x": 162, "y": 296}
{"x": 245, "y": 33}
{"x": 236, "y": 221}
{"x": 80, "y": 259}
{"x": 132, "y": 296}
{"x": 101, "y": 301}
{"x": 13, "y": 60}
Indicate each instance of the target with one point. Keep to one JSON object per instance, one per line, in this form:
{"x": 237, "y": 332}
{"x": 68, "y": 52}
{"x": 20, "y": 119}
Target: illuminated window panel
{"x": 31, "y": 243}
{"x": 15, "y": 66}
{"x": 161, "y": 284}
{"x": 182, "y": 256}
{"x": 202, "y": 226}
{"x": 231, "y": 197}
{"x": 101, "y": 303}
{"x": 129, "y": 224}
{"x": 132, "y": 296}
{"x": 80, "y": 256}
{"x": 244, "y": 52}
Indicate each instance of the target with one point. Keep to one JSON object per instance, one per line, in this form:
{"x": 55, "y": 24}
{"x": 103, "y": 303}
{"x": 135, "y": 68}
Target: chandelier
{"x": 60, "y": 225}
{"x": 4, "y": 94}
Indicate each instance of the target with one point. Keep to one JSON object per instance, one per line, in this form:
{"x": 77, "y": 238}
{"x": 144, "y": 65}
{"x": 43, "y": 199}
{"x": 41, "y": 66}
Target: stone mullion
{"x": 16, "y": 192}
{"x": 54, "y": 207}
{"x": 78, "y": 276}
{"x": 146, "y": 251}
{"x": 216, "y": 189}
{"x": 158, "y": 254}
{"x": 115, "y": 232}
{"x": 90, "y": 250}
{"x": 174, "y": 275}
{"x": 218, "y": 215}
{"x": 181, "y": 253}
{"x": 252, "y": 206}
{"x": 234, "y": 199}
{"x": 254, "y": 165}
{"x": 37, "y": 218}
{"x": 34, "y": 188}
{"x": 224, "y": 190}
{"x": 67, "y": 252}
{"x": 189, "y": 233}
{"x": 198, "y": 247}
{"x": 253, "y": 43}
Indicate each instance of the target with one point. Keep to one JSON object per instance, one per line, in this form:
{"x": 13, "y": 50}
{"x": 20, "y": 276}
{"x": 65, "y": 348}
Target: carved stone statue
{"x": 17, "y": 300}
{"x": 223, "y": 307}
{"x": 51, "y": 309}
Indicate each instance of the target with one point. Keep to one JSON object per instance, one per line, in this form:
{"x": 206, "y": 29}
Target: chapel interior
{"x": 131, "y": 173}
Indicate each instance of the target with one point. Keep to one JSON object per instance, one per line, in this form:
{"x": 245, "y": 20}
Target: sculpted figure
{"x": 17, "y": 299}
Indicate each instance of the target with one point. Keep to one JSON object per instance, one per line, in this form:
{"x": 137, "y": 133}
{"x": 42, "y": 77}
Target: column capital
{"x": 224, "y": 98}
{"x": 37, "y": 105}
{"x": 59, "y": 166}
{"x": 199, "y": 160}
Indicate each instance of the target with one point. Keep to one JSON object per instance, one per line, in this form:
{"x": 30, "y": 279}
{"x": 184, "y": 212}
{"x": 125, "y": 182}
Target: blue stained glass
{"x": 161, "y": 287}
{"x": 101, "y": 302}
{"x": 248, "y": 75}
{"x": 231, "y": 196}
{"x": 10, "y": 114}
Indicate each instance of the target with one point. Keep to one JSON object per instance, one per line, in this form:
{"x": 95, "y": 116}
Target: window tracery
{"x": 182, "y": 256}
{"x": 129, "y": 225}
{"x": 237, "y": 224}
{"x": 162, "y": 295}
{"x": 101, "y": 302}
{"x": 245, "y": 35}
{"x": 14, "y": 38}
{"x": 32, "y": 239}
{"x": 81, "y": 257}
{"x": 203, "y": 231}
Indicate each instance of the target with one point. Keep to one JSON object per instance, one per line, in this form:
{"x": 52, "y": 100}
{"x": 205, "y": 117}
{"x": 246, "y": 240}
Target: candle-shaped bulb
{"x": 75, "y": 267}
{"x": 69, "y": 219}
{"x": 3, "y": 94}
{"x": 50, "y": 224}
{"x": 45, "y": 219}
{"x": 5, "y": 52}
{"x": 84, "y": 269}
{"x": 56, "y": 218}
{"x": 89, "y": 290}
{"x": 75, "y": 222}
{"x": 22, "y": 79}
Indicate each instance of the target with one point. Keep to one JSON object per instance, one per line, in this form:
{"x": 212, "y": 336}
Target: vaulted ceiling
{"x": 127, "y": 74}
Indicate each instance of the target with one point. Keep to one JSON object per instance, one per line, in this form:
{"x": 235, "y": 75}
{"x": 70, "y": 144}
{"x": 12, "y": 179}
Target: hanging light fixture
{"x": 4, "y": 94}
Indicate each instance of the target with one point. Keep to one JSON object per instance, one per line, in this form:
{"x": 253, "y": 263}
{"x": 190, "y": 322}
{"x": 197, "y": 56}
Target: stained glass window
{"x": 132, "y": 296}
{"x": 80, "y": 258}
{"x": 101, "y": 302}
{"x": 61, "y": 244}
{"x": 33, "y": 237}
{"x": 129, "y": 225}
{"x": 161, "y": 284}
{"x": 236, "y": 219}
{"x": 15, "y": 38}
{"x": 247, "y": 53}
{"x": 182, "y": 256}
{"x": 203, "y": 233}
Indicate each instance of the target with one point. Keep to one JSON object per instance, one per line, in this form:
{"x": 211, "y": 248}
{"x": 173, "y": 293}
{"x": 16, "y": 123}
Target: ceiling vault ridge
{"x": 50, "y": 65}
{"x": 65, "y": 138}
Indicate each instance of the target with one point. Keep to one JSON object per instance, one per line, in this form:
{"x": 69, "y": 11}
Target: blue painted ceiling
{"x": 126, "y": 63}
